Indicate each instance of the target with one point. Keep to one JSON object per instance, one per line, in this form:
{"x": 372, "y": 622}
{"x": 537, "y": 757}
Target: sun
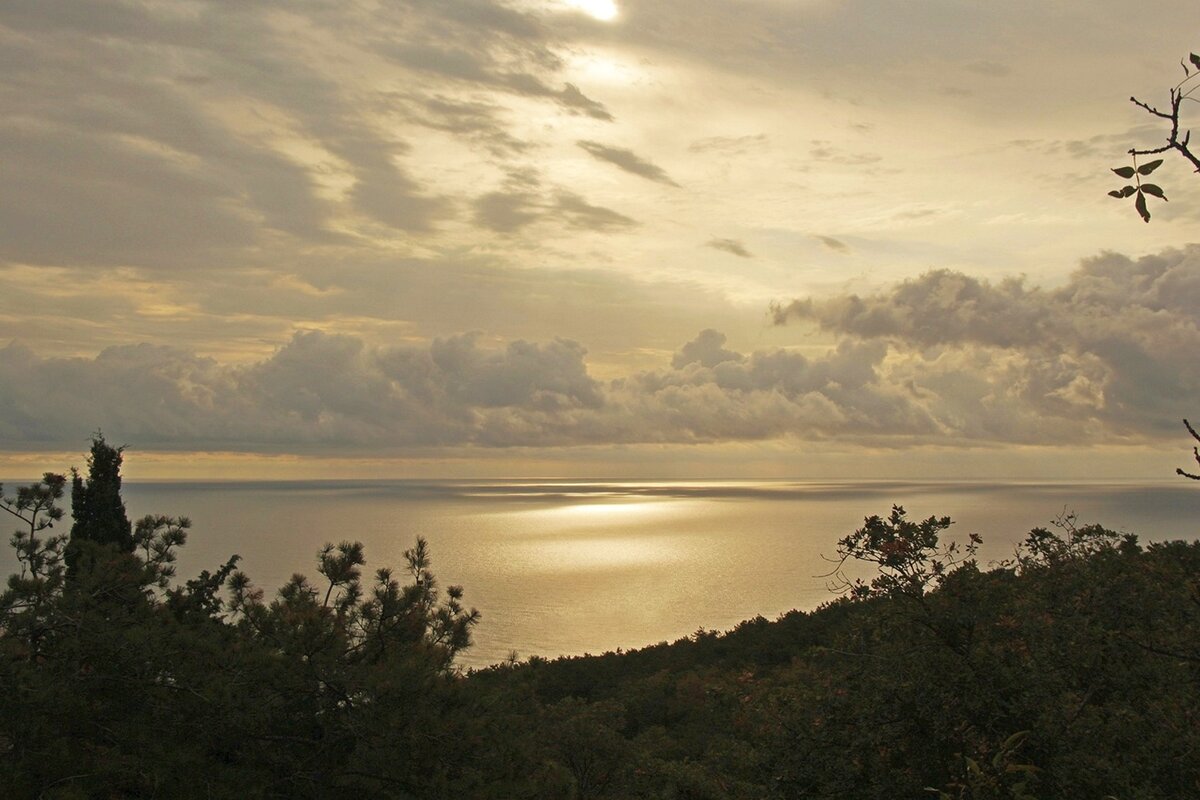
{"x": 605, "y": 10}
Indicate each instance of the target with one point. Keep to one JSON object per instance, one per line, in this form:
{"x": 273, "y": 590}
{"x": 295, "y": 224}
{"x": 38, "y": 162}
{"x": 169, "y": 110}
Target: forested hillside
{"x": 1072, "y": 671}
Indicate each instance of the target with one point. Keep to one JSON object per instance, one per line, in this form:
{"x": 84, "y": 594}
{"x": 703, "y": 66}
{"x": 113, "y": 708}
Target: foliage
{"x": 1003, "y": 777}
{"x": 119, "y": 683}
{"x": 1178, "y": 141}
{"x": 96, "y": 505}
{"x": 40, "y": 558}
{"x": 910, "y": 556}
{"x": 1043, "y": 548}
{"x": 1033, "y": 679}
{"x": 1070, "y": 671}
{"x": 1137, "y": 189}
{"x": 41, "y": 569}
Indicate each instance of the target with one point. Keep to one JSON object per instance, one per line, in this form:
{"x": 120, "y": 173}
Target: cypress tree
{"x": 96, "y": 503}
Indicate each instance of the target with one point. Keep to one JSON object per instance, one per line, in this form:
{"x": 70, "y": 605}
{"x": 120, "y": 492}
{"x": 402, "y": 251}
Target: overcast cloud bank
{"x": 942, "y": 359}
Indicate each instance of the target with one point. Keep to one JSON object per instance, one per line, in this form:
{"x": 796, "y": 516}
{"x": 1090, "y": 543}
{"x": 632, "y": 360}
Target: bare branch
{"x": 1155, "y": 151}
{"x": 1195, "y": 452}
{"x": 1148, "y": 108}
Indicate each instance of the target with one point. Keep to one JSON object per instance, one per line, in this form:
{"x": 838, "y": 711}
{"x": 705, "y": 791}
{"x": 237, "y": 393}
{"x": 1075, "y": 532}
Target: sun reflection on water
{"x": 600, "y": 553}
{"x": 609, "y": 513}
{"x": 597, "y": 535}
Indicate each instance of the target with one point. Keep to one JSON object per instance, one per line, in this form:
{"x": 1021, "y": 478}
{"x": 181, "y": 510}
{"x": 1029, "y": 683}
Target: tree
{"x": 96, "y": 504}
{"x": 40, "y": 557}
{"x": 118, "y": 683}
{"x": 1195, "y": 453}
{"x": 909, "y": 555}
{"x": 36, "y": 506}
{"x": 1177, "y": 141}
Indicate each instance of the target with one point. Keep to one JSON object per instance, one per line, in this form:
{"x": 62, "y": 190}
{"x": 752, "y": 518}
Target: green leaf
{"x": 1128, "y": 191}
{"x": 1154, "y": 189}
{"x": 1116, "y": 193}
{"x": 1195, "y": 59}
{"x": 1146, "y": 169}
{"x": 1026, "y": 769}
{"x": 1140, "y": 205}
{"x": 1124, "y": 172}
{"x": 1014, "y": 741}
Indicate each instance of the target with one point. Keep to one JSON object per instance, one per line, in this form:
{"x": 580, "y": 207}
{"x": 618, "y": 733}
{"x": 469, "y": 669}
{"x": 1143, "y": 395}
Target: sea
{"x": 568, "y": 567}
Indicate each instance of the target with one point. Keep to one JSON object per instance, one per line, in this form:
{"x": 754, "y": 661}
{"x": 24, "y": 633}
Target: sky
{"x": 627, "y": 238}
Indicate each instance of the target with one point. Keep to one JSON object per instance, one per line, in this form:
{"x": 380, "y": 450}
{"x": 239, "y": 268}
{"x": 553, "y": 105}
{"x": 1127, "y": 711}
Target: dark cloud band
{"x": 944, "y": 358}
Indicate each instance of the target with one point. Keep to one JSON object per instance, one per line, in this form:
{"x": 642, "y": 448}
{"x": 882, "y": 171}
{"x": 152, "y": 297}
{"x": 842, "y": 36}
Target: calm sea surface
{"x": 568, "y": 567}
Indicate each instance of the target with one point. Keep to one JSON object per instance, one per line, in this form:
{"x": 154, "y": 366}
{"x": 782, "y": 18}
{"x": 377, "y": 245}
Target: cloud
{"x": 823, "y": 150}
{"x": 628, "y": 161}
{"x": 506, "y": 212}
{"x": 707, "y": 350}
{"x": 945, "y": 358}
{"x": 470, "y": 118}
{"x": 524, "y": 201}
{"x": 570, "y": 97}
{"x": 836, "y": 245}
{"x": 337, "y": 392}
{"x": 316, "y": 389}
{"x": 217, "y": 175}
{"x": 1114, "y": 348}
{"x": 501, "y": 49}
{"x": 1109, "y": 146}
{"x": 389, "y": 195}
{"x": 183, "y": 135}
{"x": 240, "y": 314}
{"x": 729, "y": 145}
{"x": 578, "y": 213}
{"x": 730, "y": 246}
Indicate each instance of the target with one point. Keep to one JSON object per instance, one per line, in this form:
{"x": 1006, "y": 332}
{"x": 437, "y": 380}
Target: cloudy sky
{"x": 654, "y": 238}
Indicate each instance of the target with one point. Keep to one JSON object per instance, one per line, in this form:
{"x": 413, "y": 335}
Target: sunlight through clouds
{"x": 604, "y": 10}
{"x": 509, "y": 219}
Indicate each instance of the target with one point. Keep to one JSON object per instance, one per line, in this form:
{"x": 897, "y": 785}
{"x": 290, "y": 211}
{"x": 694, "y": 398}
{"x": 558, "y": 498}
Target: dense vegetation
{"x": 1071, "y": 672}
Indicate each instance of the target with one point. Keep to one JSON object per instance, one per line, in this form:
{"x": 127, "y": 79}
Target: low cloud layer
{"x": 944, "y": 358}
{"x": 1113, "y": 349}
{"x": 336, "y": 391}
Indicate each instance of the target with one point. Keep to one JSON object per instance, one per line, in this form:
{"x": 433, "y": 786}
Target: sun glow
{"x": 605, "y": 10}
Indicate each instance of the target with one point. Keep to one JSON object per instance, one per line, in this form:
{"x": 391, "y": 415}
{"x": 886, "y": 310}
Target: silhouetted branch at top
{"x": 1177, "y": 141}
{"x": 1195, "y": 452}
{"x": 1174, "y": 142}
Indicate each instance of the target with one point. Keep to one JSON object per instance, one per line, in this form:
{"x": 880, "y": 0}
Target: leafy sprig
{"x": 1177, "y": 140}
{"x": 1137, "y": 189}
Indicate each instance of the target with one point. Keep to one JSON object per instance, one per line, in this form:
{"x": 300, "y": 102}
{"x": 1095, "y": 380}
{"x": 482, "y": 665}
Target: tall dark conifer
{"x": 96, "y": 503}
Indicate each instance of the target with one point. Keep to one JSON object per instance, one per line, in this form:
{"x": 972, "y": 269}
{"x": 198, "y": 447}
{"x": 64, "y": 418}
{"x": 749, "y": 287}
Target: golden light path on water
{"x": 602, "y": 548}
